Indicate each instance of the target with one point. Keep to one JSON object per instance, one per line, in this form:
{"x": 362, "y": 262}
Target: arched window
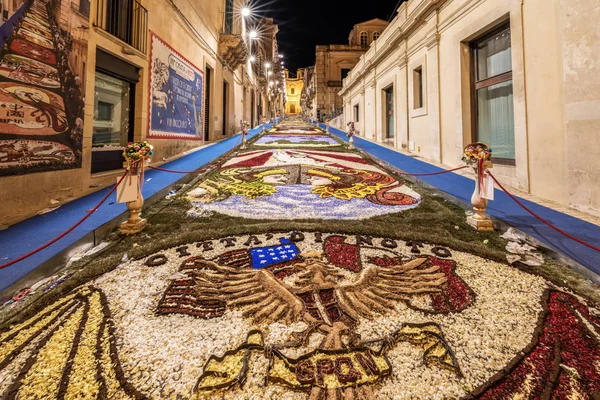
{"x": 376, "y": 35}
{"x": 364, "y": 39}
{"x": 293, "y": 91}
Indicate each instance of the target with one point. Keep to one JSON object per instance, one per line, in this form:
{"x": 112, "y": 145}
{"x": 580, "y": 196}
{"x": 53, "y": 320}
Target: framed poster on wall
{"x": 176, "y": 94}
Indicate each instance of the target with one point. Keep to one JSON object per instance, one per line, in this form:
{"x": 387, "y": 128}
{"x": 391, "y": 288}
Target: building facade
{"x": 294, "y": 86}
{"x": 521, "y": 76}
{"x": 334, "y": 62}
{"x": 87, "y": 77}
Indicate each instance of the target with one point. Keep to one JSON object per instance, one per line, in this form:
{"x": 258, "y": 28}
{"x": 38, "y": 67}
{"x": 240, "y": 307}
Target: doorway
{"x": 207, "y": 104}
{"x": 389, "y": 112}
{"x": 225, "y": 107}
{"x": 252, "y": 107}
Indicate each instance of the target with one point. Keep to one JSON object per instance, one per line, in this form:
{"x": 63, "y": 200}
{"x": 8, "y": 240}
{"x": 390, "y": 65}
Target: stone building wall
{"x": 294, "y": 86}
{"x": 554, "y": 72}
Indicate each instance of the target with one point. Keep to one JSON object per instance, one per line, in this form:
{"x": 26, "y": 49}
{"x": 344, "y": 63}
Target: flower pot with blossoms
{"x": 478, "y": 156}
{"x": 136, "y": 154}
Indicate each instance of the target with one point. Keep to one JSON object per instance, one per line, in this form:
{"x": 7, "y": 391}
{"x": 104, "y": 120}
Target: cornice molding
{"x": 418, "y": 17}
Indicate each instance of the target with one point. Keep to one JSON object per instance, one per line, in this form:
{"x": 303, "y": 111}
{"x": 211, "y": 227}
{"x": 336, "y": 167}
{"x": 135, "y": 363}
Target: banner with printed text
{"x": 176, "y": 94}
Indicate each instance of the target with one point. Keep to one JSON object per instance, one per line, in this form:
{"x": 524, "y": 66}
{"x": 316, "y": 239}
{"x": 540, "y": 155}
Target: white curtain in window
{"x": 494, "y": 56}
{"x": 496, "y": 125}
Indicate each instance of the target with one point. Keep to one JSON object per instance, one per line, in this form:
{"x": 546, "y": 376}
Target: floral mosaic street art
{"x": 296, "y": 183}
{"x": 296, "y": 140}
{"x": 273, "y": 307}
{"x": 306, "y": 314}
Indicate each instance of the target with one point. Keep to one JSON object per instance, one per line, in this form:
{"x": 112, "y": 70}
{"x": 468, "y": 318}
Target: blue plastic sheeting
{"x": 27, "y": 235}
{"x": 502, "y": 207}
{"x": 8, "y": 27}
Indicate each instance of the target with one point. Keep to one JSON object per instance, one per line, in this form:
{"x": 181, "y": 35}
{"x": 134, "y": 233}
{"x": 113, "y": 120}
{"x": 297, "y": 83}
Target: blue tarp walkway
{"x": 27, "y": 235}
{"x": 503, "y": 207}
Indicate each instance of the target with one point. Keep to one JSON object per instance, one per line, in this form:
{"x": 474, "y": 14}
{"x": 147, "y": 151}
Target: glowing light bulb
{"x": 245, "y": 12}
{"x": 253, "y": 35}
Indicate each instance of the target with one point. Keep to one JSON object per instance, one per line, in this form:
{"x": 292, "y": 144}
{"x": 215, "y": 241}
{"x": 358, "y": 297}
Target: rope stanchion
{"x": 591, "y": 246}
{"x": 90, "y": 212}
{"x": 65, "y": 233}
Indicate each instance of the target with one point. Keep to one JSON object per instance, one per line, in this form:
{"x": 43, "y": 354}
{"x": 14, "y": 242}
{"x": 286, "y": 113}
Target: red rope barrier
{"x": 434, "y": 173}
{"x": 201, "y": 170}
{"x": 90, "y": 212}
{"x": 65, "y": 233}
{"x": 591, "y": 246}
{"x": 406, "y": 173}
{"x": 178, "y": 172}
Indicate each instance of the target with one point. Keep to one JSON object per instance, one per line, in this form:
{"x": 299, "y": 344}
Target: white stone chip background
{"x": 170, "y": 351}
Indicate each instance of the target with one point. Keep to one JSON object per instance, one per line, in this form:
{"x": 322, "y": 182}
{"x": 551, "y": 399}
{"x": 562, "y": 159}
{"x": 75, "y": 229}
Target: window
{"x": 493, "y": 92}
{"x": 356, "y": 113}
{"x": 228, "y": 17}
{"x": 293, "y": 91}
{"x": 113, "y": 121}
{"x": 111, "y": 114}
{"x": 418, "y": 87}
{"x": 84, "y": 7}
{"x": 364, "y": 39}
{"x": 376, "y": 35}
{"x": 105, "y": 111}
{"x": 126, "y": 20}
{"x": 345, "y": 72}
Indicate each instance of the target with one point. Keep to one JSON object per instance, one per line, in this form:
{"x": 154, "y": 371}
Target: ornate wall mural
{"x": 176, "y": 94}
{"x": 41, "y": 88}
{"x": 307, "y": 315}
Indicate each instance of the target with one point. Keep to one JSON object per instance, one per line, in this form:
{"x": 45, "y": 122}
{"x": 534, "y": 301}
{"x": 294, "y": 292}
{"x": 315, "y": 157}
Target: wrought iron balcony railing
{"x": 126, "y": 20}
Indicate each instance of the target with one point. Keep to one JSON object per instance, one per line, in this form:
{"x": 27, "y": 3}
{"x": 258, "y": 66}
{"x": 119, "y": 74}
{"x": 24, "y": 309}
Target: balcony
{"x": 126, "y": 20}
{"x": 233, "y": 50}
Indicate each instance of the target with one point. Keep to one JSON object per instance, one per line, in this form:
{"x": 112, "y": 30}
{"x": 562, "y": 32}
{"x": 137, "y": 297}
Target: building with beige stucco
{"x": 294, "y": 86}
{"x": 333, "y": 63}
{"x": 521, "y": 76}
{"x": 174, "y": 73}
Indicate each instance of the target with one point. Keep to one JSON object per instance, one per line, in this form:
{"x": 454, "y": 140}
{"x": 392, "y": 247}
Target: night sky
{"x": 303, "y": 24}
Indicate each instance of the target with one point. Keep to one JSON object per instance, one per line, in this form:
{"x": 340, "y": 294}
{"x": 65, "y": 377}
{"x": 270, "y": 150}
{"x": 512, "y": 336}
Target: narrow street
{"x": 301, "y": 268}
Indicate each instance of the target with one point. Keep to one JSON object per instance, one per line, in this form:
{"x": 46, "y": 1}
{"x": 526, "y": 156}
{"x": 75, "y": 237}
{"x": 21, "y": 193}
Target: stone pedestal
{"x": 135, "y": 223}
{"x": 351, "y": 142}
{"x": 481, "y": 224}
{"x": 479, "y": 220}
